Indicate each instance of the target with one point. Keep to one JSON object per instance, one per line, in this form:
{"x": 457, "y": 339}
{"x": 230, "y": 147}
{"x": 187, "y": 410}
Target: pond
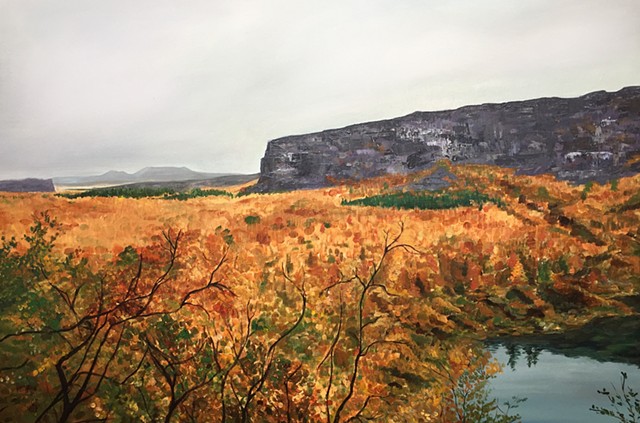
{"x": 558, "y": 388}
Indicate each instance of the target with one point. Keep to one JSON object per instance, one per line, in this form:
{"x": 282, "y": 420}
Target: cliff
{"x": 578, "y": 139}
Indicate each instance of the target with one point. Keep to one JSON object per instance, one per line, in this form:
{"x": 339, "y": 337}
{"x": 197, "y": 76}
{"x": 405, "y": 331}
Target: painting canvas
{"x": 338, "y": 211}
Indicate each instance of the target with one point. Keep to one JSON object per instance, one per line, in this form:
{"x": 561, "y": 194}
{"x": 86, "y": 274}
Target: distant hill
{"x": 27, "y": 185}
{"x": 218, "y": 181}
{"x": 590, "y": 138}
{"x": 146, "y": 175}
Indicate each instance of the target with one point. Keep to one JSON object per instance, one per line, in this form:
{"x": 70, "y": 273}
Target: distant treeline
{"x": 424, "y": 201}
{"x": 128, "y": 192}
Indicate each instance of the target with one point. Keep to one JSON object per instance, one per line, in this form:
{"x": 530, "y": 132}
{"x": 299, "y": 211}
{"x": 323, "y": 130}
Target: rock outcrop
{"x": 578, "y": 139}
{"x": 27, "y": 185}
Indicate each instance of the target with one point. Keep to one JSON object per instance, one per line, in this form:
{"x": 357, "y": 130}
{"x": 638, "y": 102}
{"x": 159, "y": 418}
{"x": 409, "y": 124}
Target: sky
{"x": 87, "y": 86}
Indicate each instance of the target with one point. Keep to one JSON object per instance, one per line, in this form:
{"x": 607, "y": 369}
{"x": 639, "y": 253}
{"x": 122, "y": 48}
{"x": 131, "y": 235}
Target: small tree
{"x": 82, "y": 330}
{"x": 370, "y": 329}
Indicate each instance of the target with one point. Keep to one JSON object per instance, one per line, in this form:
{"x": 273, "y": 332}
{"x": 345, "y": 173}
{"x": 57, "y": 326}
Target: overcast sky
{"x": 92, "y": 85}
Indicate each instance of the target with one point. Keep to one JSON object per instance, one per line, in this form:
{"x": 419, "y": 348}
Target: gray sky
{"x": 92, "y": 85}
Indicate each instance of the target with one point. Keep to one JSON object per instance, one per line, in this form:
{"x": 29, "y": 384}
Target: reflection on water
{"x": 529, "y": 352}
{"x": 557, "y": 388}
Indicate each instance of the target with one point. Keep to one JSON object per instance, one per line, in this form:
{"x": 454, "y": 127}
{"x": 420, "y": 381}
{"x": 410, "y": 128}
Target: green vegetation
{"x": 131, "y": 192}
{"x": 614, "y": 185}
{"x": 624, "y": 404}
{"x": 125, "y": 192}
{"x": 543, "y": 193}
{"x": 252, "y": 220}
{"x": 544, "y": 271}
{"x": 632, "y": 203}
{"x": 423, "y": 201}
{"x": 197, "y": 192}
{"x": 243, "y": 192}
{"x": 585, "y": 191}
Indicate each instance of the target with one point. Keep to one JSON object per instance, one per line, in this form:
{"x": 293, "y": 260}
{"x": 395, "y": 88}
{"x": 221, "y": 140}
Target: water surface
{"x": 559, "y": 389}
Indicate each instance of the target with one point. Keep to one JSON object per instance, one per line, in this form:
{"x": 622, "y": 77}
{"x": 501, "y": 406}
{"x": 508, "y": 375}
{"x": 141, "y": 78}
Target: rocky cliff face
{"x": 586, "y": 138}
{"x": 27, "y": 185}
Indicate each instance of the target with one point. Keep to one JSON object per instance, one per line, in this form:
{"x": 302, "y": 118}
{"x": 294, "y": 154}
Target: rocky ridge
{"x": 27, "y": 185}
{"x": 591, "y": 137}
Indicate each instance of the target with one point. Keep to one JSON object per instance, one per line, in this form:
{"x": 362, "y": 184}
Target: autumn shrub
{"x": 78, "y": 337}
{"x": 172, "y": 331}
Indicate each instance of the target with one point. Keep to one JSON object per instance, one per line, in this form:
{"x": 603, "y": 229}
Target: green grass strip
{"x": 423, "y": 201}
{"x": 165, "y": 193}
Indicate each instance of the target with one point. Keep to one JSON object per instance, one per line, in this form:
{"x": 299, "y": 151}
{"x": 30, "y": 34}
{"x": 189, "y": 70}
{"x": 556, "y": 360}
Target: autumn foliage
{"x": 293, "y": 306}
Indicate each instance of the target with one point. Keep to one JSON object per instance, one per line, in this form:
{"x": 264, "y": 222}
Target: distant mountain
{"x": 148, "y": 174}
{"x": 162, "y": 174}
{"x": 587, "y": 138}
{"x": 215, "y": 182}
{"x": 27, "y": 185}
{"x": 109, "y": 178}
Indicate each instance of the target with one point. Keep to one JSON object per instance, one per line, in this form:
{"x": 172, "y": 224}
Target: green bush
{"x": 614, "y": 184}
{"x": 544, "y": 271}
{"x": 543, "y": 193}
{"x": 585, "y": 191}
{"x": 252, "y": 220}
